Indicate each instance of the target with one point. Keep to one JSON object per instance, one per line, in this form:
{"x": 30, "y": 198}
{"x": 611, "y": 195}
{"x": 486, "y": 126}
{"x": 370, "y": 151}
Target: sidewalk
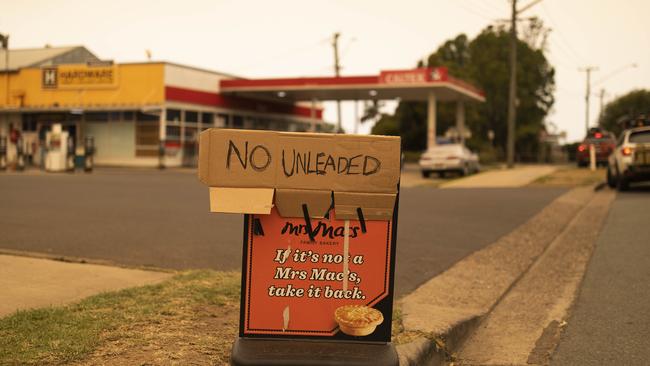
{"x": 520, "y": 176}
{"x": 31, "y": 283}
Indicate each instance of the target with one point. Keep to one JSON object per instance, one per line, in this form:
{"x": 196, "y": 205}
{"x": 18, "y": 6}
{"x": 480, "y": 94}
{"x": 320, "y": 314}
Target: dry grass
{"x": 570, "y": 176}
{"x": 190, "y": 319}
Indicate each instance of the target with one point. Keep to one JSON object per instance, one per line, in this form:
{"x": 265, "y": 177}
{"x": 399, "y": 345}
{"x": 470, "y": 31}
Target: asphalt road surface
{"x": 610, "y": 323}
{"x": 147, "y": 217}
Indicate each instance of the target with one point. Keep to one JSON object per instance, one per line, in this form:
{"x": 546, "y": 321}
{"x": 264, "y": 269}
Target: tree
{"x": 629, "y": 105}
{"x": 484, "y": 62}
{"x": 387, "y": 125}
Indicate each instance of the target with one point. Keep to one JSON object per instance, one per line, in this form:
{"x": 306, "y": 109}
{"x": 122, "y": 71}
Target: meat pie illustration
{"x": 358, "y": 320}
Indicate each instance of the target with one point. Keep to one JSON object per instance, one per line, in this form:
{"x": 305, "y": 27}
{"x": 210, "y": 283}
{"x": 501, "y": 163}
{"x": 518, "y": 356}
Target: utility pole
{"x": 512, "y": 94}
{"x": 588, "y": 70}
{"x": 337, "y": 72}
{"x": 4, "y": 41}
{"x": 605, "y": 78}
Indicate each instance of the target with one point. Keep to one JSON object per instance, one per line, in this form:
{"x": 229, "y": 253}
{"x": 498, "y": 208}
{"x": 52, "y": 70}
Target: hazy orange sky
{"x": 293, "y": 38}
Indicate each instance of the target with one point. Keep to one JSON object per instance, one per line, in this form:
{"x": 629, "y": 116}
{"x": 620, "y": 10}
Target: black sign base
{"x": 268, "y": 352}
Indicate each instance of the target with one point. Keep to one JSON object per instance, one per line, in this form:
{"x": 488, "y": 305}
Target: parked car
{"x": 630, "y": 161}
{"x": 448, "y": 156}
{"x": 604, "y": 142}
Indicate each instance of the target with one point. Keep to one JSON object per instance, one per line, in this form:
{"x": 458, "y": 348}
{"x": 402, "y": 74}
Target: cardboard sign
{"x": 292, "y": 286}
{"x": 360, "y": 170}
{"x": 319, "y": 232}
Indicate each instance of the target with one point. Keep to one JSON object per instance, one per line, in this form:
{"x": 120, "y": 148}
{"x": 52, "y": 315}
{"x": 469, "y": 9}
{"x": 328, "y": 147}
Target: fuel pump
{"x": 20, "y": 154}
{"x": 89, "y": 151}
{"x": 3, "y": 152}
{"x": 69, "y": 158}
{"x": 161, "y": 154}
{"x": 56, "y": 143}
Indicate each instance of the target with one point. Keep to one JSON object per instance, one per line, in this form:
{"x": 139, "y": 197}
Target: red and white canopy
{"x": 415, "y": 84}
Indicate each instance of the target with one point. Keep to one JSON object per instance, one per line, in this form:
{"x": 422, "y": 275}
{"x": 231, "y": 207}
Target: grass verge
{"x": 570, "y": 176}
{"x": 191, "y": 318}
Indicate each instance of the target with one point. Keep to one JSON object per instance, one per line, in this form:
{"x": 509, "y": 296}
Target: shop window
{"x": 173, "y": 115}
{"x": 73, "y": 117}
{"x": 29, "y": 122}
{"x": 96, "y": 117}
{"x": 147, "y": 117}
{"x": 191, "y": 116}
{"x": 262, "y": 124}
{"x": 173, "y": 132}
{"x": 207, "y": 118}
{"x": 128, "y": 115}
{"x": 114, "y": 116}
{"x": 238, "y": 121}
{"x": 223, "y": 120}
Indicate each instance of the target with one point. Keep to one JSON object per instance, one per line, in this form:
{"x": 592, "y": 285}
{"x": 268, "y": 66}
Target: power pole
{"x": 588, "y": 70}
{"x": 512, "y": 94}
{"x": 337, "y": 72}
{"x": 4, "y": 42}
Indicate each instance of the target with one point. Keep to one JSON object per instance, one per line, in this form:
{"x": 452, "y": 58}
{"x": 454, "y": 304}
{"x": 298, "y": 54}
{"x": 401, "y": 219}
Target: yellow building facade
{"x": 137, "y": 114}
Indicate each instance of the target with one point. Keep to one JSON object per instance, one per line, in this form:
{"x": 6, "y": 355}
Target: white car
{"x": 448, "y": 157}
{"x": 630, "y": 161}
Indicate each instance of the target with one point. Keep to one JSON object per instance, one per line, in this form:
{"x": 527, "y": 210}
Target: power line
{"x": 475, "y": 12}
{"x": 484, "y": 9}
{"x": 289, "y": 53}
{"x": 614, "y": 73}
{"x": 563, "y": 39}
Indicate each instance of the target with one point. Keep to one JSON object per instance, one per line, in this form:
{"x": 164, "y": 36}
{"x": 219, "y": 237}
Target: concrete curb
{"x": 80, "y": 260}
{"x": 449, "y": 307}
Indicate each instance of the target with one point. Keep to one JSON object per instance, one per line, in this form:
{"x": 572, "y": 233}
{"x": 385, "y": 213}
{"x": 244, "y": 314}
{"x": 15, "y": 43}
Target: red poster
{"x": 295, "y": 286}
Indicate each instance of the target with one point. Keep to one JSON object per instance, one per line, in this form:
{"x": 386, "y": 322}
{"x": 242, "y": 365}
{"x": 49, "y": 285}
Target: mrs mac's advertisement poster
{"x": 319, "y": 229}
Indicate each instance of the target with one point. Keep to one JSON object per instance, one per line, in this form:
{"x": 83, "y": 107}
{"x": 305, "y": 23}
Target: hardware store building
{"x": 129, "y": 108}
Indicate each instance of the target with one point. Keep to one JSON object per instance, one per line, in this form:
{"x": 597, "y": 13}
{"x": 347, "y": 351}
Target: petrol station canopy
{"x": 422, "y": 84}
{"x": 412, "y": 85}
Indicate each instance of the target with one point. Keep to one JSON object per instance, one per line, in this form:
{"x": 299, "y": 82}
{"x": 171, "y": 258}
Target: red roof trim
{"x": 173, "y": 93}
{"x": 366, "y": 81}
{"x": 465, "y": 85}
{"x": 293, "y": 82}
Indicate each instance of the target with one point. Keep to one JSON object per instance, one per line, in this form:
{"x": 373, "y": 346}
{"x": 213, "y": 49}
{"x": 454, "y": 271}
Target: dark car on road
{"x": 604, "y": 143}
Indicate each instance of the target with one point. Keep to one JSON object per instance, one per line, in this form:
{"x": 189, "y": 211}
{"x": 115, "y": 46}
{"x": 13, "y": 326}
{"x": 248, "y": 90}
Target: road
{"x": 610, "y": 323}
{"x": 148, "y": 217}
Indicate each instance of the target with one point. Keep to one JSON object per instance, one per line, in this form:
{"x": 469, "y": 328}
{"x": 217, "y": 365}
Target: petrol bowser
{"x": 3, "y": 152}
{"x": 89, "y": 151}
{"x": 57, "y": 149}
{"x": 20, "y": 154}
{"x": 69, "y": 157}
{"x": 161, "y": 154}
